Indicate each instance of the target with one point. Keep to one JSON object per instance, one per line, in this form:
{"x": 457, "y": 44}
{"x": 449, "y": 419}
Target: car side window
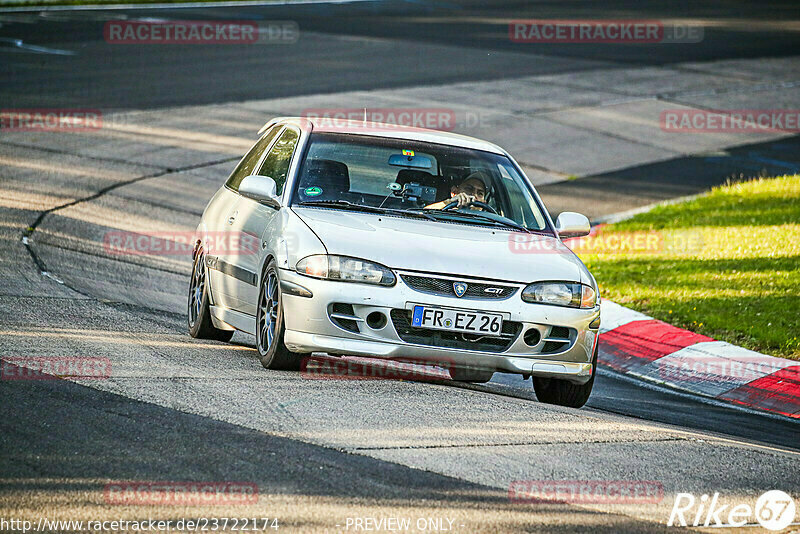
{"x": 245, "y": 167}
{"x": 276, "y": 164}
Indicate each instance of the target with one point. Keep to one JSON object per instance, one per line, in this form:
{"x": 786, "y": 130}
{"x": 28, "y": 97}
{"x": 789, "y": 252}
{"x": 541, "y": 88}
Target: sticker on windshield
{"x": 313, "y": 191}
{"x": 408, "y": 152}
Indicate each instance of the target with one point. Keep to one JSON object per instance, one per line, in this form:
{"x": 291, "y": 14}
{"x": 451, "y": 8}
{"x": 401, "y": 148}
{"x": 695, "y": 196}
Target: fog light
{"x": 376, "y": 320}
{"x": 532, "y": 337}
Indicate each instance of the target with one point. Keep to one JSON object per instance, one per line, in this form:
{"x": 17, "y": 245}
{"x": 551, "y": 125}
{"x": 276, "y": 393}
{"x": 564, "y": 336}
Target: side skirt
{"x": 227, "y": 319}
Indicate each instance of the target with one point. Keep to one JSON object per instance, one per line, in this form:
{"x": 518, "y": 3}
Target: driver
{"x": 472, "y": 189}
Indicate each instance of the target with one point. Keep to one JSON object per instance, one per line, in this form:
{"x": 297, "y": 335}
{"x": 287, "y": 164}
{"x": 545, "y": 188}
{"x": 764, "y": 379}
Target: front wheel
{"x": 270, "y": 325}
{"x": 199, "y": 314}
{"x": 563, "y": 392}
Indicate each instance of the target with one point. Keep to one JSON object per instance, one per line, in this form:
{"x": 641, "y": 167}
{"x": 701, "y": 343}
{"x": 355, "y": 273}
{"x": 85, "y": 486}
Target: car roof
{"x": 379, "y": 129}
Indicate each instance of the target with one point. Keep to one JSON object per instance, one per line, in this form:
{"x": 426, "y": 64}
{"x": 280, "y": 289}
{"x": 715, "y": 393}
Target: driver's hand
{"x": 463, "y": 199}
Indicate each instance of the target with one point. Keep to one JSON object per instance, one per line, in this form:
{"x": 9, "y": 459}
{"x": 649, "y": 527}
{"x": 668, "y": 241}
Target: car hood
{"x": 448, "y": 248}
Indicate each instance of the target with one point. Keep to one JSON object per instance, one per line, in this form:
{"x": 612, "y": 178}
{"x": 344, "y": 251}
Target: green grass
{"x": 738, "y": 280}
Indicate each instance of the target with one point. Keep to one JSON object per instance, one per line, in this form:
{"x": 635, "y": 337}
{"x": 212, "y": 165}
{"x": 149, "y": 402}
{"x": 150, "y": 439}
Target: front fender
{"x": 288, "y": 239}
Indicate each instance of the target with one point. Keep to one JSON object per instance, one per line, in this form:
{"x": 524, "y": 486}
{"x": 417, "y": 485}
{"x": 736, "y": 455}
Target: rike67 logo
{"x": 774, "y": 510}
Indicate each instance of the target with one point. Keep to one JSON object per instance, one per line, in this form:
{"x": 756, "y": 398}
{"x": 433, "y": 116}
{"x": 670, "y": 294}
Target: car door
{"x": 222, "y": 239}
{"x": 253, "y": 220}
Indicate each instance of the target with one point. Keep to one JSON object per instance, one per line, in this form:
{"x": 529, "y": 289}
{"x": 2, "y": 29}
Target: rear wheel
{"x": 476, "y": 376}
{"x": 270, "y": 326}
{"x": 563, "y": 392}
{"x": 199, "y": 314}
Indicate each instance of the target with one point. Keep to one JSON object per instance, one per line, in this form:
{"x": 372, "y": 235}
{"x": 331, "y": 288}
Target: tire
{"x": 475, "y": 376}
{"x": 563, "y": 392}
{"x": 270, "y": 325}
{"x": 198, "y": 312}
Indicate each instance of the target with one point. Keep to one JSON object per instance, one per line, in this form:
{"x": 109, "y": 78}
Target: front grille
{"x": 346, "y": 324}
{"x": 559, "y": 331}
{"x": 552, "y": 346}
{"x": 444, "y": 286}
{"x": 401, "y": 319}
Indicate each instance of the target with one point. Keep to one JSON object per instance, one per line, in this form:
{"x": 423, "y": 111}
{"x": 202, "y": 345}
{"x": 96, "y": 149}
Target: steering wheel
{"x": 484, "y": 205}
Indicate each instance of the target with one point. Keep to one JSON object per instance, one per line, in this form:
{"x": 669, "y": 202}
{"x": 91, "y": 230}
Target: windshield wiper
{"x": 421, "y": 213}
{"x": 413, "y": 213}
{"x": 481, "y": 216}
{"x": 344, "y": 204}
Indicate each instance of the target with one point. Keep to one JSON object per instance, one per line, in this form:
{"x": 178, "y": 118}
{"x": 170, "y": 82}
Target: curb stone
{"x": 635, "y": 344}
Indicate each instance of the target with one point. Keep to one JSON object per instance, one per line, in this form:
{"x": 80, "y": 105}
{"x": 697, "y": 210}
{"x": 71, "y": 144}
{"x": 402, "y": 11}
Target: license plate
{"x": 457, "y": 320}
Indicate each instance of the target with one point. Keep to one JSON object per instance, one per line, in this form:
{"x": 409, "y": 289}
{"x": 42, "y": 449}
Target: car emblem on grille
{"x": 494, "y": 290}
{"x": 460, "y": 288}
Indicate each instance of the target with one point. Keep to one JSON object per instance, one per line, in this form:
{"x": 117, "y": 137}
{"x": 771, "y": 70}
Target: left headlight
{"x": 569, "y": 294}
{"x": 345, "y": 269}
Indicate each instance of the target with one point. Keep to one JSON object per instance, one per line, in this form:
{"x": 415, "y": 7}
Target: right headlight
{"x": 570, "y": 294}
{"x": 345, "y": 269}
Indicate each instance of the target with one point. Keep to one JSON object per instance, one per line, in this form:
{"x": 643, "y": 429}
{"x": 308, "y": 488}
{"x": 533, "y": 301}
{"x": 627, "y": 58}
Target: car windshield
{"x": 357, "y": 172}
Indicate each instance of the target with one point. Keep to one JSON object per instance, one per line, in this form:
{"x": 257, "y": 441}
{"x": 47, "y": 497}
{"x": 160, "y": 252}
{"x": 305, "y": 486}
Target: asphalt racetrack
{"x": 323, "y": 452}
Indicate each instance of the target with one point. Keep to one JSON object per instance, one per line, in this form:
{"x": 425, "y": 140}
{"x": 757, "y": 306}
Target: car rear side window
{"x": 248, "y": 163}
{"x": 276, "y": 164}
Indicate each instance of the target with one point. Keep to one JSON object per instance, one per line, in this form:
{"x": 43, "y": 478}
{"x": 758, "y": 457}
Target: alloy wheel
{"x": 268, "y": 303}
{"x": 197, "y": 288}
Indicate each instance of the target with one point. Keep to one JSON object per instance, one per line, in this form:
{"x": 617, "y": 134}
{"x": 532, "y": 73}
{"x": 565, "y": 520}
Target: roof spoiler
{"x": 268, "y": 125}
{"x": 275, "y": 120}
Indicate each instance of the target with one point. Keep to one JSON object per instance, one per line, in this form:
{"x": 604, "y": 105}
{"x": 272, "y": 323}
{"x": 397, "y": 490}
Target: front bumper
{"x": 309, "y": 328}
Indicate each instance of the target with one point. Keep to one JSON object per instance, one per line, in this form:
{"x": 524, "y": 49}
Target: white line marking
{"x": 18, "y": 45}
{"x": 649, "y": 383}
{"x": 625, "y": 215}
{"x": 52, "y": 277}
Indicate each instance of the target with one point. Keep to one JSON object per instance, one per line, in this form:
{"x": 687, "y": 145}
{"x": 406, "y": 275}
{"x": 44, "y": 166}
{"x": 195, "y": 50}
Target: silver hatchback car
{"x": 359, "y": 238}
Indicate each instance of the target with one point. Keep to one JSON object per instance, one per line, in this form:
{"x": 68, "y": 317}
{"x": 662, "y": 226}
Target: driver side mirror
{"x": 262, "y": 189}
{"x": 571, "y": 224}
